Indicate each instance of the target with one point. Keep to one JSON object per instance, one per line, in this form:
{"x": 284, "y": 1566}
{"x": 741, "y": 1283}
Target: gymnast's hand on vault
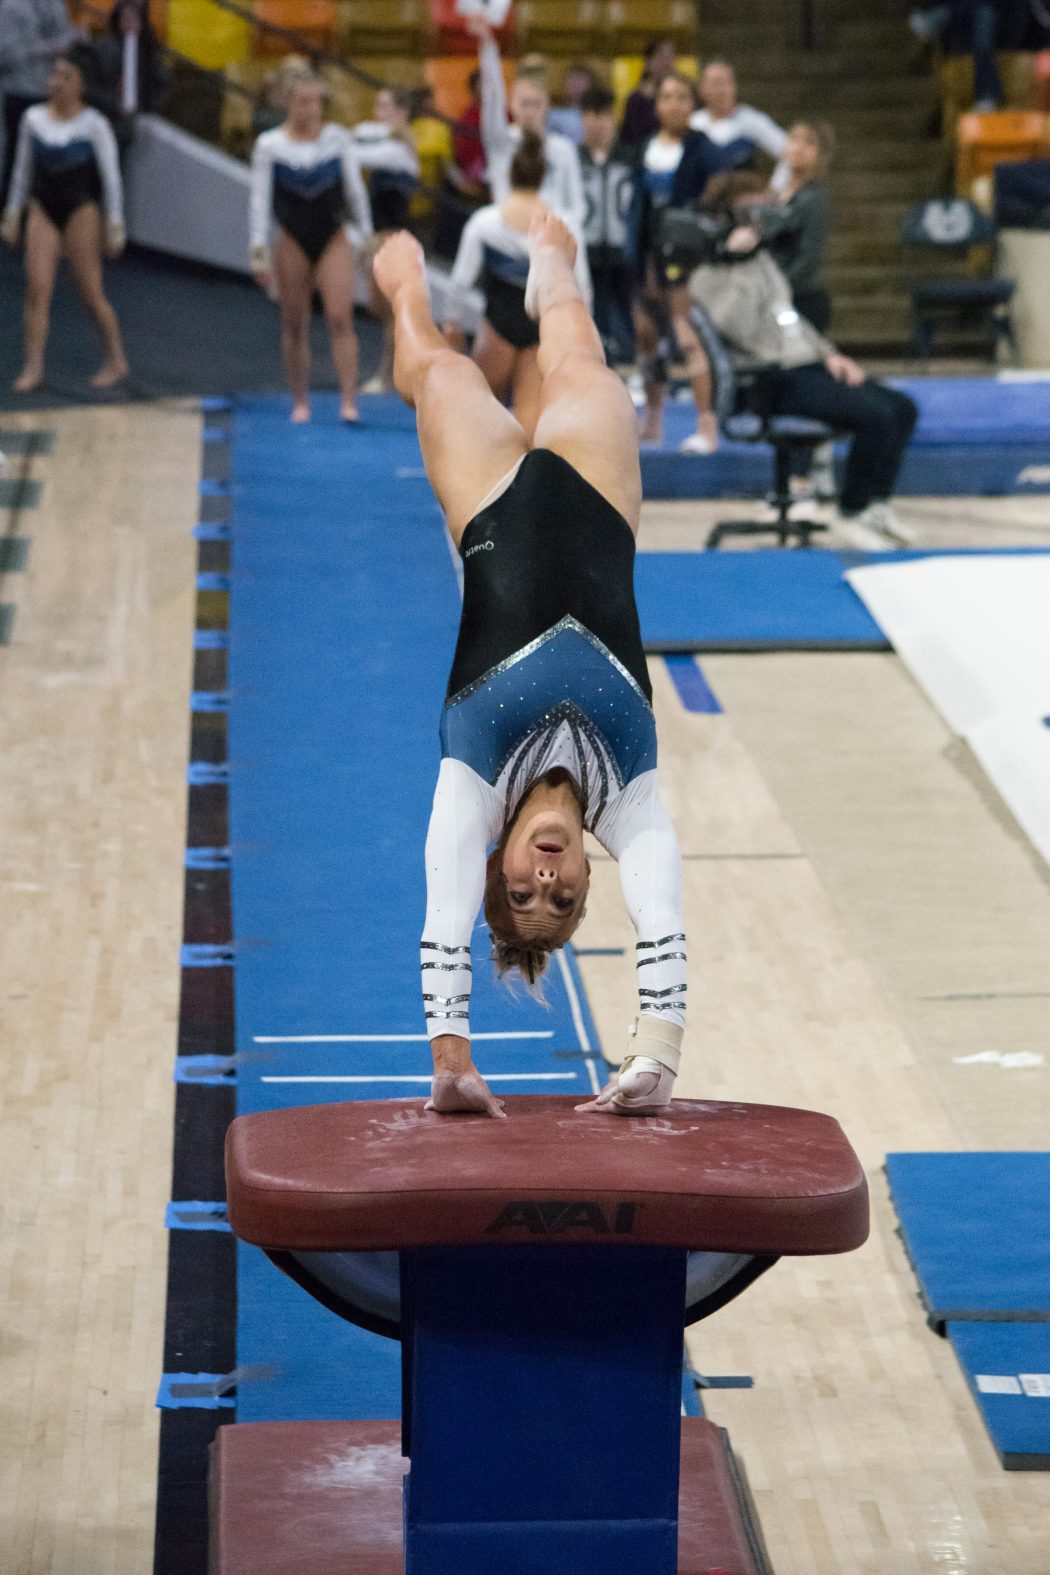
{"x": 453, "y": 1093}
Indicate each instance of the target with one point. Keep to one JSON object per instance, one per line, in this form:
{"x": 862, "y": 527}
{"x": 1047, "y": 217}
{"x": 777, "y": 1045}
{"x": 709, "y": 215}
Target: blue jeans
{"x": 977, "y": 22}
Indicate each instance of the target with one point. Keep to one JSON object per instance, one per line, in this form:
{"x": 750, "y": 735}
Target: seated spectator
{"x": 737, "y": 131}
{"x": 639, "y": 116}
{"x": 567, "y": 117}
{"x": 610, "y": 172}
{"x": 467, "y": 169}
{"x": 980, "y": 27}
{"x": 796, "y": 226}
{"x": 432, "y": 137}
{"x": 748, "y": 300}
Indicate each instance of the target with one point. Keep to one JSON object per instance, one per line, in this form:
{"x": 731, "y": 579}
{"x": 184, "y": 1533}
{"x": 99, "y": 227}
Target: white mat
{"x": 975, "y": 633}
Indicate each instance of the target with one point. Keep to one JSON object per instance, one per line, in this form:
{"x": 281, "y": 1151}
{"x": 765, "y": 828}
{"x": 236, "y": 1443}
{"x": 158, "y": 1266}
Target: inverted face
{"x": 674, "y": 105}
{"x": 802, "y": 153}
{"x": 529, "y": 104}
{"x": 545, "y": 871}
{"x": 718, "y": 90}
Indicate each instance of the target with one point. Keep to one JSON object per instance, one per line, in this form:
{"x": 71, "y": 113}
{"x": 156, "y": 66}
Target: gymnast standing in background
{"x": 386, "y": 149}
{"x": 65, "y": 177}
{"x": 494, "y": 252}
{"x": 305, "y": 176}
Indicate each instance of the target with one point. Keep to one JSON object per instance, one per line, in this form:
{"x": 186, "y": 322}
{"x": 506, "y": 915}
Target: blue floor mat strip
{"x": 769, "y": 599}
{"x": 975, "y": 435}
{"x": 344, "y": 610}
{"x": 1007, "y": 1367}
{"x": 977, "y": 1231}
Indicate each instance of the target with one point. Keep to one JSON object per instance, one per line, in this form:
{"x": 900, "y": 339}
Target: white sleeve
{"x": 22, "y": 172}
{"x": 105, "y": 145}
{"x": 582, "y": 267}
{"x": 261, "y": 199}
{"x": 354, "y": 187}
{"x": 637, "y": 831}
{"x": 466, "y": 268}
{"x": 465, "y": 818}
{"x": 494, "y": 126}
{"x": 763, "y": 130}
{"x": 570, "y": 182}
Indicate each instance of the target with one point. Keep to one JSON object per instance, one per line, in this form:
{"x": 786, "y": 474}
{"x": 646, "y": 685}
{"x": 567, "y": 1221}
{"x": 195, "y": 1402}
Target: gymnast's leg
{"x": 469, "y": 441}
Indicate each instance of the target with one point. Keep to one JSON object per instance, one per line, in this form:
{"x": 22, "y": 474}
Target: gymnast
{"x": 493, "y": 251}
{"x": 306, "y": 175}
{"x": 66, "y": 172}
{"x": 547, "y": 729}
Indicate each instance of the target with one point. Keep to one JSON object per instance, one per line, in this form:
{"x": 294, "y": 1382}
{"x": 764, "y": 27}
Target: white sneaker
{"x": 822, "y": 474}
{"x": 697, "y": 443}
{"x": 853, "y": 530}
{"x": 881, "y": 517}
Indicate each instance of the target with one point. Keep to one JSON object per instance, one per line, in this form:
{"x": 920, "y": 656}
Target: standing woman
{"x": 66, "y": 171}
{"x": 387, "y": 149}
{"x": 305, "y": 176}
{"x": 547, "y": 728}
{"x": 796, "y": 227}
{"x": 676, "y": 165}
{"x": 493, "y": 251}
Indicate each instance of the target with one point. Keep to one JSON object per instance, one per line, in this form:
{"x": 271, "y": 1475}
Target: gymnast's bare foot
{"x": 31, "y": 378}
{"x": 458, "y": 1092}
{"x": 552, "y": 253}
{"x": 300, "y": 412}
{"x": 397, "y": 263}
{"x": 109, "y": 375}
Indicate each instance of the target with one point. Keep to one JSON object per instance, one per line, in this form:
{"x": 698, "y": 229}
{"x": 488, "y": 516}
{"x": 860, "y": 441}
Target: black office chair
{"x": 737, "y": 395}
{"x": 952, "y": 226}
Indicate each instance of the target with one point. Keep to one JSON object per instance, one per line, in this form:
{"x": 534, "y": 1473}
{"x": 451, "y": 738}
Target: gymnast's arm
{"x": 651, "y": 879}
{"x": 466, "y": 271}
{"x": 105, "y": 145}
{"x": 354, "y": 189}
{"x": 259, "y": 208}
{"x": 21, "y": 177}
{"x": 464, "y": 820}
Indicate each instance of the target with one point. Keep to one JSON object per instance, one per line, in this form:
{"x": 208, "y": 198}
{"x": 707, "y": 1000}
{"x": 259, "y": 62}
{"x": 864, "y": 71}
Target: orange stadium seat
{"x": 1004, "y": 137}
{"x": 312, "y": 20}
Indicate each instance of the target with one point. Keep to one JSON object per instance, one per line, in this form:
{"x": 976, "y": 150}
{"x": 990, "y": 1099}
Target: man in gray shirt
{"x": 32, "y": 33}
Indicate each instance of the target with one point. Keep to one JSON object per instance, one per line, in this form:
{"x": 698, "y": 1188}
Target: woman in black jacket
{"x": 796, "y": 228}
{"x": 674, "y": 169}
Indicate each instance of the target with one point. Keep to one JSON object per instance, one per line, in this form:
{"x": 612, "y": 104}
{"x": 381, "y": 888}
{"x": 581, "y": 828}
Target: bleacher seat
{"x": 1001, "y": 138}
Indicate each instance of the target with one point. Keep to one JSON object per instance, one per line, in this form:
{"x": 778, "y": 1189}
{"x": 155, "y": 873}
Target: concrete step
{"x": 856, "y": 91}
{"x": 902, "y": 154}
{"x": 762, "y": 60}
{"x": 881, "y": 219}
{"x": 849, "y": 186}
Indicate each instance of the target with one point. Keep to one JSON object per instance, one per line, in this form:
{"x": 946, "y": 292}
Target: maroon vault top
{"x": 386, "y": 1174}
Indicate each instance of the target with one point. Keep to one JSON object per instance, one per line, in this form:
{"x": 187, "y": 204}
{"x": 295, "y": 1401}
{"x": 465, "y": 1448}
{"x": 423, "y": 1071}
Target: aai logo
{"x": 554, "y": 1219}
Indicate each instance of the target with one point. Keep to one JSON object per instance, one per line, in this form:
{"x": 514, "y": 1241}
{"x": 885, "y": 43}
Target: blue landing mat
{"x": 977, "y": 1230}
{"x": 975, "y": 436}
{"x": 770, "y": 599}
{"x": 344, "y": 610}
{"x": 1007, "y": 1367}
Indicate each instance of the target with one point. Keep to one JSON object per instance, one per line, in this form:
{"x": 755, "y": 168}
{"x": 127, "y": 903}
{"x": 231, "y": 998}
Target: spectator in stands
{"x": 567, "y": 117}
{"x": 748, "y": 301}
{"x": 973, "y": 24}
{"x": 493, "y": 252}
{"x": 432, "y": 137}
{"x": 386, "y": 149}
{"x": 737, "y": 131}
{"x": 562, "y": 189}
{"x": 33, "y": 33}
{"x": 467, "y": 170}
{"x": 129, "y": 56}
{"x": 66, "y": 181}
{"x": 676, "y": 165}
{"x": 610, "y": 172}
{"x": 639, "y": 116}
{"x": 796, "y": 225}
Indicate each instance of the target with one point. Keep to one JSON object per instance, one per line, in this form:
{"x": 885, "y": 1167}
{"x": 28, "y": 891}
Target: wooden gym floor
{"x": 849, "y": 875}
